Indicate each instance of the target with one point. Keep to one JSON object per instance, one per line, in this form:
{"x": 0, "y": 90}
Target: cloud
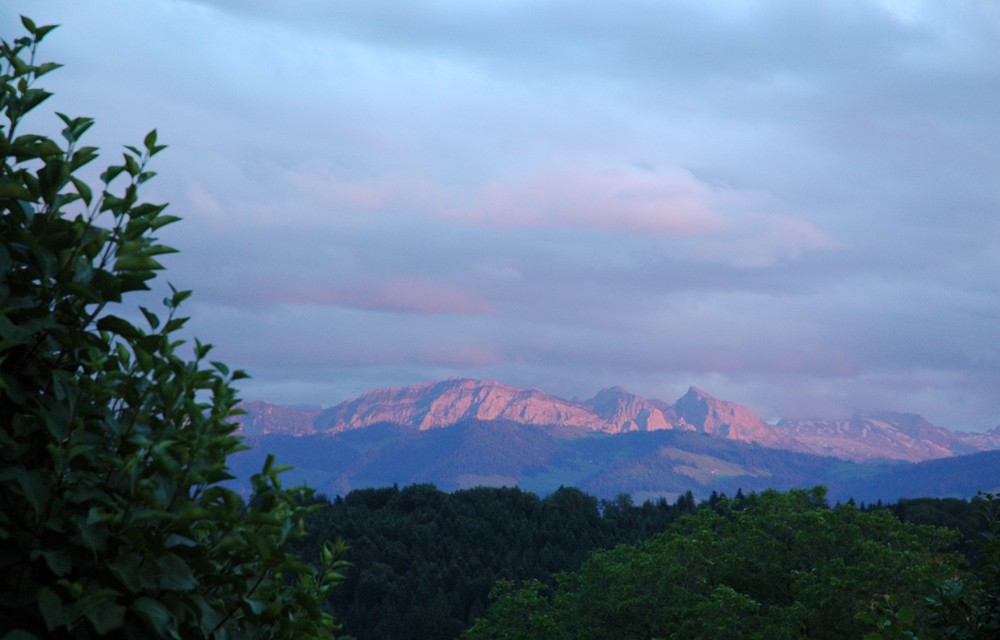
{"x": 626, "y": 199}
{"x": 784, "y": 203}
{"x": 405, "y": 295}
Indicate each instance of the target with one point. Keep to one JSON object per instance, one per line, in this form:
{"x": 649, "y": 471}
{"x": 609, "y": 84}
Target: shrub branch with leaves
{"x": 113, "y": 521}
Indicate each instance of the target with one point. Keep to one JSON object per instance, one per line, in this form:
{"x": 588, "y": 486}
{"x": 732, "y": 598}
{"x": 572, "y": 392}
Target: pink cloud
{"x": 373, "y": 195}
{"x": 757, "y": 239}
{"x": 668, "y": 202}
{"x": 415, "y": 353}
{"x": 623, "y": 198}
{"x": 391, "y": 295}
{"x": 715, "y": 223}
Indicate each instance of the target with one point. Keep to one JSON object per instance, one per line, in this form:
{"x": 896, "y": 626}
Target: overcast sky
{"x": 792, "y": 205}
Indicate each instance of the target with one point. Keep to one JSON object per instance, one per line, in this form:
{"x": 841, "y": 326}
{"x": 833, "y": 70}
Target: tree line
{"x": 502, "y": 562}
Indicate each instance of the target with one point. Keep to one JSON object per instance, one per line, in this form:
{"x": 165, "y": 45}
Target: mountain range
{"x": 459, "y": 433}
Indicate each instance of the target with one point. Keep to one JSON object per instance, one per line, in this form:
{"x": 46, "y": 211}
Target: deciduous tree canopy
{"x": 112, "y": 445}
{"x": 767, "y": 566}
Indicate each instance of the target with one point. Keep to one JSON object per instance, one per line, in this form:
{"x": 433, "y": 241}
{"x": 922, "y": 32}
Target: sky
{"x": 790, "y": 205}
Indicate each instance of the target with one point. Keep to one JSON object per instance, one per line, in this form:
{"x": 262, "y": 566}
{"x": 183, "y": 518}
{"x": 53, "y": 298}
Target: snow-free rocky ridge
{"x": 441, "y": 404}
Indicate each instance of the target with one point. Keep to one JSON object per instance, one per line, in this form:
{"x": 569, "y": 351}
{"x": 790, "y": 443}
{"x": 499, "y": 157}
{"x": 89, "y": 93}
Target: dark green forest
{"x": 424, "y": 563}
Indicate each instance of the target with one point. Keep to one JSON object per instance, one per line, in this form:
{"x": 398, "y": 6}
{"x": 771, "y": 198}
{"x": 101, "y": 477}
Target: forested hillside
{"x": 424, "y": 561}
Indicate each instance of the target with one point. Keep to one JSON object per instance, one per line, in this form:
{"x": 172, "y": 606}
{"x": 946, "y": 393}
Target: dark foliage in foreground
{"x": 113, "y": 447}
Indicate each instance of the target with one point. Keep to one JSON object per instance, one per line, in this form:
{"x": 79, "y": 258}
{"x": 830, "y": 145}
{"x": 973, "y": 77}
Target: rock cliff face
{"x": 441, "y": 404}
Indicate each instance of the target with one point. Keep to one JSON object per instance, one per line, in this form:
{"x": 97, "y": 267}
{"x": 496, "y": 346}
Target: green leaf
{"x": 106, "y": 616}
{"x": 83, "y": 189}
{"x": 34, "y": 146}
{"x": 176, "y": 540}
{"x": 48, "y": 66}
{"x": 136, "y": 262}
{"x": 151, "y": 318}
{"x": 158, "y": 616}
{"x": 256, "y": 606}
{"x": 176, "y": 298}
{"x": 159, "y": 250}
{"x": 161, "y": 221}
{"x": 19, "y": 634}
{"x": 14, "y": 190}
{"x": 131, "y": 165}
{"x": 201, "y": 350}
{"x": 175, "y": 574}
{"x": 905, "y": 615}
{"x": 52, "y": 608}
{"x": 59, "y": 561}
{"x": 33, "y": 486}
{"x": 42, "y": 31}
{"x": 34, "y": 97}
{"x": 118, "y": 326}
{"x": 75, "y": 127}
{"x": 111, "y": 173}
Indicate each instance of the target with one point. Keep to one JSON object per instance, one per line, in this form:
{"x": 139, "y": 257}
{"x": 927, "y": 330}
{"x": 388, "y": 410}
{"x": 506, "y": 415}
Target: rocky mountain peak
{"x": 707, "y": 414}
{"x": 622, "y": 411}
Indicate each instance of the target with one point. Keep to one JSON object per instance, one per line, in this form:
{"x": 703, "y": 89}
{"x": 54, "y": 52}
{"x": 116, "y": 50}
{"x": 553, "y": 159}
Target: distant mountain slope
{"x": 435, "y": 405}
{"x": 643, "y": 464}
{"x": 866, "y": 437}
{"x": 886, "y": 435}
{"x": 462, "y": 433}
{"x": 263, "y": 418}
{"x": 956, "y": 477}
{"x": 504, "y": 453}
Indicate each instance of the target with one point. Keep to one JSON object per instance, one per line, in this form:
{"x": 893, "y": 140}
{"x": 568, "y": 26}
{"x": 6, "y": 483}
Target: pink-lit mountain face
{"x": 728, "y": 420}
{"x": 441, "y": 404}
{"x": 436, "y": 405}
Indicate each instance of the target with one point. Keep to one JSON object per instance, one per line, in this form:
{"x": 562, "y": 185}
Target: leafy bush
{"x": 113, "y": 521}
